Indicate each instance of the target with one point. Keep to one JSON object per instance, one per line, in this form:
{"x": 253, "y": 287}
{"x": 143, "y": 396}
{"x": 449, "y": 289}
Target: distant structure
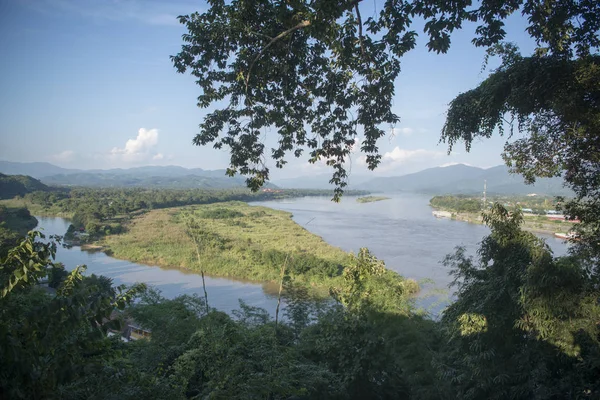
{"x": 484, "y": 194}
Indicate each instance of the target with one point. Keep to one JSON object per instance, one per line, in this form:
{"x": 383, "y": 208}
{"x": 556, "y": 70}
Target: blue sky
{"x": 89, "y": 84}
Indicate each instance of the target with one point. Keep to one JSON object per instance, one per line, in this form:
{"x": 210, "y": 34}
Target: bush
{"x": 23, "y": 213}
{"x": 56, "y": 276}
{"x": 221, "y": 213}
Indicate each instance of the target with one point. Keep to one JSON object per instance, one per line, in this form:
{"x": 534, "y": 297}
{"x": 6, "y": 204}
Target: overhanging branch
{"x": 300, "y": 25}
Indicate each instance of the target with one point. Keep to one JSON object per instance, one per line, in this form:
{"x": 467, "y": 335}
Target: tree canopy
{"x": 318, "y": 73}
{"x": 524, "y": 324}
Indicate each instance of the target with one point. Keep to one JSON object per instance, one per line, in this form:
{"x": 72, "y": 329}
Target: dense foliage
{"x": 524, "y": 326}
{"x": 51, "y": 338}
{"x": 457, "y": 203}
{"x": 14, "y": 223}
{"x": 554, "y": 101}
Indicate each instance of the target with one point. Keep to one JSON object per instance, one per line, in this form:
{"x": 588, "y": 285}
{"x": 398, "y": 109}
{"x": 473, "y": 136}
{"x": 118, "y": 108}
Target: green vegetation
{"x": 19, "y": 185}
{"x": 52, "y": 339}
{"x": 524, "y": 324}
{"x": 469, "y": 209}
{"x": 101, "y": 212}
{"x": 521, "y": 317}
{"x": 457, "y": 203}
{"x": 17, "y": 219}
{"x": 234, "y": 239}
{"x": 134, "y": 179}
{"x": 14, "y": 223}
{"x": 539, "y": 205}
{"x": 370, "y": 199}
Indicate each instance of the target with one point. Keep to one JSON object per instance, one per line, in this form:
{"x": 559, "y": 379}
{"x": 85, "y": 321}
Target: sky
{"x": 89, "y": 84}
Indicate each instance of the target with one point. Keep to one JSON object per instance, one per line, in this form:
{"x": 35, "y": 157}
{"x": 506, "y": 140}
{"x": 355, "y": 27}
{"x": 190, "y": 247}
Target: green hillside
{"x": 140, "y": 179}
{"x": 18, "y": 185}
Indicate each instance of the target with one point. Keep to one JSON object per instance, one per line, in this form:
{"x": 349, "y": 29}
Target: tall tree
{"x": 555, "y": 100}
{"x": 525, "y": 324}
{"x": 49, "y": 340}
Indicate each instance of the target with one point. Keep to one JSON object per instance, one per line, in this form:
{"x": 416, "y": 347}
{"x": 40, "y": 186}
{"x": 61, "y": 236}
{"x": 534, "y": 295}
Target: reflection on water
{"x": 401, "y": 231}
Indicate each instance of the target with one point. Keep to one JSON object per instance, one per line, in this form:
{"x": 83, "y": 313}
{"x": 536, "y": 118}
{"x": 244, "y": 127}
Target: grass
{"x": 371, "y": 199}
{"x": 238, "y": 240}
{"x": 35, "y": 208}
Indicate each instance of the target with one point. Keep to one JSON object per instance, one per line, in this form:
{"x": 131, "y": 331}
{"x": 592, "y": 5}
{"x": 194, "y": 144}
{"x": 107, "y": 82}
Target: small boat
{"x": 566, "y": 236}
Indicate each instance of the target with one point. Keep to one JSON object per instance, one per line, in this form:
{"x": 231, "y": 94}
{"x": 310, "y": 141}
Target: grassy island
{"x": 371, "y": 199}
{"x": 235, "y": 240}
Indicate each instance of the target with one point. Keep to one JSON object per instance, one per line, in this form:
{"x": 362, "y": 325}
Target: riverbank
{"x": 531, "y": 223}
{"x": 236, "y": 240}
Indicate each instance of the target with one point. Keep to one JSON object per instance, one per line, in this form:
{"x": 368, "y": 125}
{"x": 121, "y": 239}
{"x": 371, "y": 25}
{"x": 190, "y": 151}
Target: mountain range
{"x": 454, "y": 179}
{"x": 172, "y": 177}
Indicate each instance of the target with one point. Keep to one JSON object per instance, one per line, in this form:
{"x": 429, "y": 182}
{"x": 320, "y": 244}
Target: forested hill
{"x": 464, "y": 179}
{"x": 168, "y": 177}
{"x": 19, "y": 185}
{"x": 92, "y": 179}
{"x": 35, "y": 169}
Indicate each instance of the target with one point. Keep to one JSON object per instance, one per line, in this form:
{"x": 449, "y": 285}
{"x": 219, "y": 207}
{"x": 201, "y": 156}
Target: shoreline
{"x": 158, "y": 238}
{"x": 317, "y": 291}
{"x": 528, "y": 224}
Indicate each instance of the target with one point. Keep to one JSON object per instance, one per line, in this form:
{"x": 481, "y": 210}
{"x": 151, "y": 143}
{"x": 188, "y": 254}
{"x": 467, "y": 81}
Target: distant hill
{"x": 36, "y": 169}
{"x": 18, "y": 185}
{"x": 429, "y": 180}
{"x": 148, "y": 181}
{"x": 500, "y": 181}
{"x": 320, "y": 181}
{"x": 464, "y": 179}
{"x": 454, "y": 179}
{"x": 171, "y": 177}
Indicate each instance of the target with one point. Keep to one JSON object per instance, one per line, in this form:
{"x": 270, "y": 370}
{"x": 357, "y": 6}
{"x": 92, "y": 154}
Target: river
{"x": 401, "y": 231}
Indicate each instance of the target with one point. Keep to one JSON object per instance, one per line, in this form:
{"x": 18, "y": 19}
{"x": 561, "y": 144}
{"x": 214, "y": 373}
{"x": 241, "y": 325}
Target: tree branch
{"x": 300, "y": 25}
{"x": 360, "y": 34}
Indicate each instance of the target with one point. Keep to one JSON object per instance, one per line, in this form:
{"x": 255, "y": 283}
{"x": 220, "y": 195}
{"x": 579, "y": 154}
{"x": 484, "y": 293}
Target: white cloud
{"x": 158, "y": 156}
{"x": 138, "y": 149}
{"x": 449, "y": 164}
{"x": 64, "y": 156}
{"x": 404, "y": 155}
{"x": 399, "y": 157}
